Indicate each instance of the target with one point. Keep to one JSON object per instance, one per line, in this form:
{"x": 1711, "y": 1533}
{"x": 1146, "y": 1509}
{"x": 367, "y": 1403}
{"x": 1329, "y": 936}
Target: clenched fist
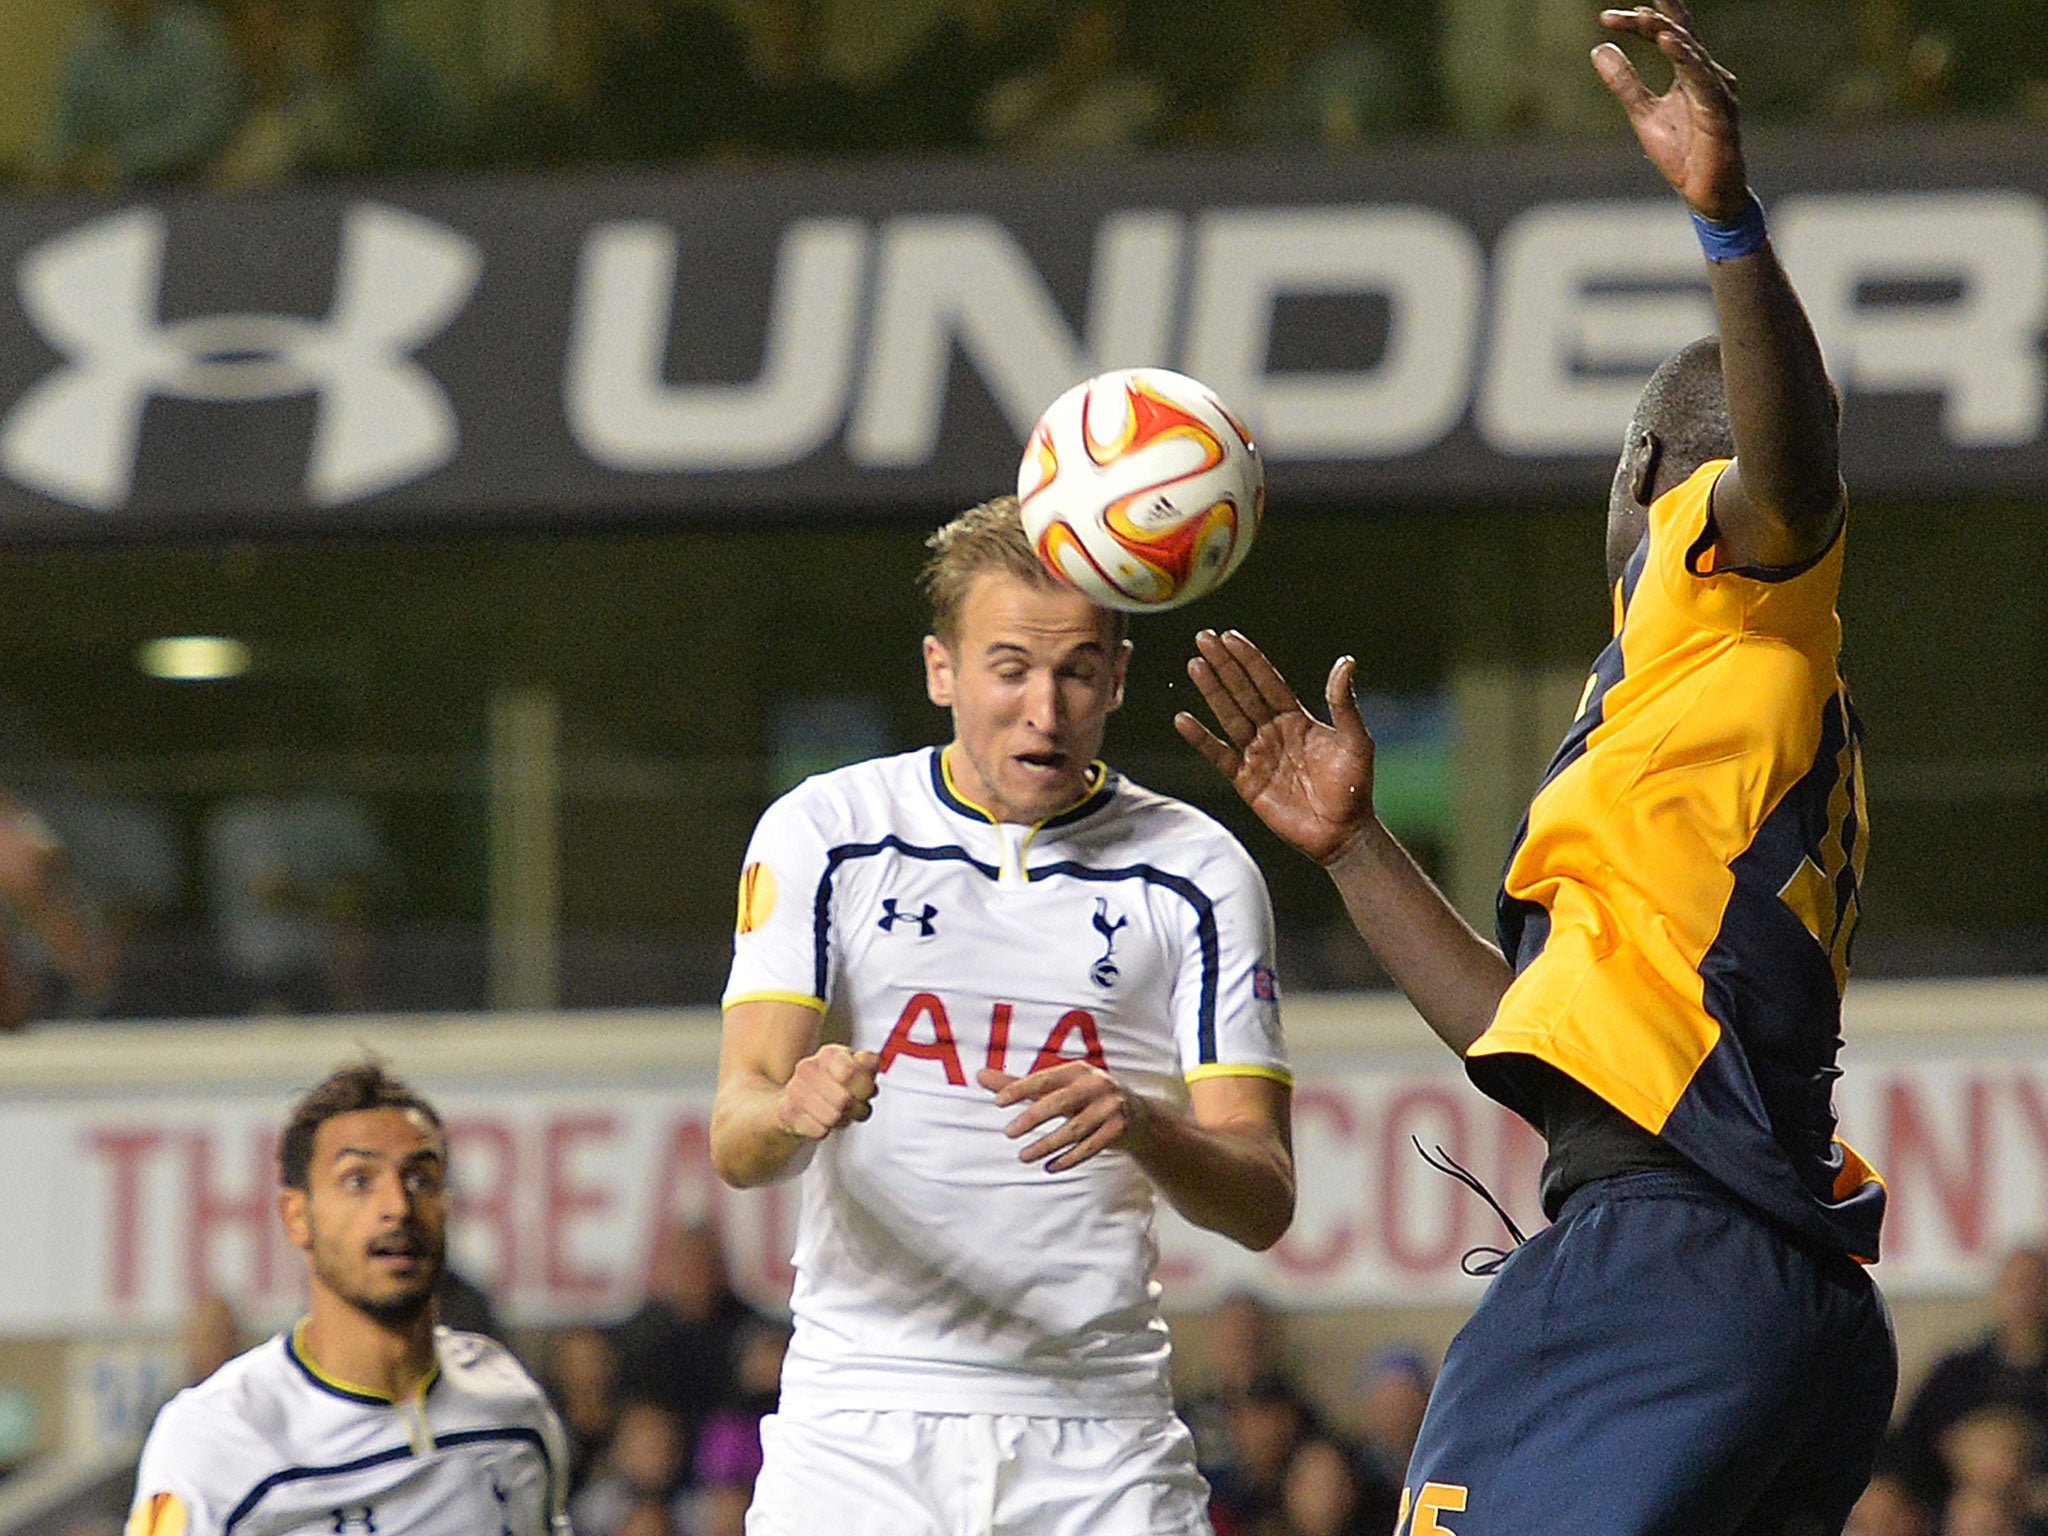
{"x": 831, "y": 1087}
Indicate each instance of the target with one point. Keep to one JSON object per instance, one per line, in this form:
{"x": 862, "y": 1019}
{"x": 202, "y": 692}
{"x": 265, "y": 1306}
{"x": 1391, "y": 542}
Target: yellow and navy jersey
{"x": 1680, "y": 900}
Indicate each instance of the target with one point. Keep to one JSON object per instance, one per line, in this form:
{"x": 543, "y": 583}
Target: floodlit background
{"x": 447, "y": 736}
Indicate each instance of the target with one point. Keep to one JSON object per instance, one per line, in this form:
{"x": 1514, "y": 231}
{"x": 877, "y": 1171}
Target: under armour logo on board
{"x": 94, "y": 295}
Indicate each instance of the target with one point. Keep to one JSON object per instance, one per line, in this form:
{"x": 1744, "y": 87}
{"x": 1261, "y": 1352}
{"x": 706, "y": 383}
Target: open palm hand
{"x": 1690, "y": 132}
{"x": 1309, "y": 781}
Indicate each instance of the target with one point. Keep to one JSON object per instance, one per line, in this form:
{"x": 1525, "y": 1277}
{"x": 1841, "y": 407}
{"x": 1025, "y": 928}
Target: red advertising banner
{"x": 123, "y": 1207}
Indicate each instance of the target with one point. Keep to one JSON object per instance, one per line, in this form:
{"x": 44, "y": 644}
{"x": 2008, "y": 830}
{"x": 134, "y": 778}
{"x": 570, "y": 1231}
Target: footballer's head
{"x": 1028, "y": 666}
{"x": 1680, "y": 422}
{"x": 363, "y": 1175}
{"x": 985, "y": 539}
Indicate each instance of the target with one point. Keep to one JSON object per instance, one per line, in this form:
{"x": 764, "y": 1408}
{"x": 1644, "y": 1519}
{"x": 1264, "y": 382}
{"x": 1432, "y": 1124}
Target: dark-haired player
{"x": 1692, "y": 1347}
{"x": 365, "y": 1416}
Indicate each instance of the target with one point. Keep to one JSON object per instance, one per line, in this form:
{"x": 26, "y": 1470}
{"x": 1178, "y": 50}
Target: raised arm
{"x": 1311, "y": 783}
{"x": 1781, "y": 501}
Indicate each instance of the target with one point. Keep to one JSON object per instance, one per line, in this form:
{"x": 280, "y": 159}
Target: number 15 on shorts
{"x": 1435, "y": 1499}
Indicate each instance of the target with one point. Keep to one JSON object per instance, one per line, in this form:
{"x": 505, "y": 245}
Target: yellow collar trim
{"x": 297, "y": 1345}
{"x": 1098, "y": 775}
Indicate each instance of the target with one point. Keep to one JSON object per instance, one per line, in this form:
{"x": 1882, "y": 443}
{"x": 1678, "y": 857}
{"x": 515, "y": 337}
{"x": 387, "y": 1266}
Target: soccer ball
{"x": 1141, "y": 489}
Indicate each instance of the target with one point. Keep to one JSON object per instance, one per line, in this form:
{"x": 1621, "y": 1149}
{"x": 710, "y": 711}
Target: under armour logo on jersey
{"x": 383, "y": 419}
{"x": 356, "y": 1520}
{"x": 926, "y": 927}
{"x": 1104, "y": 971}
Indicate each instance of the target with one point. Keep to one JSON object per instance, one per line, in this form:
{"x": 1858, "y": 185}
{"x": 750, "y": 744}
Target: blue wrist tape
{"x": 1746, "y": 234}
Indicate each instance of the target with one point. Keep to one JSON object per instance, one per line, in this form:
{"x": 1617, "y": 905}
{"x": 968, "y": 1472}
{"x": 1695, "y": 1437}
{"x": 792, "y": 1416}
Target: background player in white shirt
{"x": 365, "y": 1417}
{"x": 1065, "y": 982}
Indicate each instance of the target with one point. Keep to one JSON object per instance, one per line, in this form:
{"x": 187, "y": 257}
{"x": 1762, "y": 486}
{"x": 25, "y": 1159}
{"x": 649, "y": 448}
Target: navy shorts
{"x": 1662, "y": 1359}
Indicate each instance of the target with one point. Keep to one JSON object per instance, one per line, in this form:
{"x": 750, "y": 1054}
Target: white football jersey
{"x": 935, "y": 1270}
{"x": 268, "y": 1445}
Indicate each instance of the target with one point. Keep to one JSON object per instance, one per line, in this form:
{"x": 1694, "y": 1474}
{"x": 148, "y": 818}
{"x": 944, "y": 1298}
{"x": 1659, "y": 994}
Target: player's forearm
{"x": 749, "y": 1145}
{"x": 1454, "y": 977}
{"x": 1780, "y": 403}
{"x": 1236, "y": 1180}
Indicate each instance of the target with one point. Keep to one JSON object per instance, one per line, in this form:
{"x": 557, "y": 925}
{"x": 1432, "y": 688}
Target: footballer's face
{"x": 1030, "y": 678}
{"x": 373, "y": 1218}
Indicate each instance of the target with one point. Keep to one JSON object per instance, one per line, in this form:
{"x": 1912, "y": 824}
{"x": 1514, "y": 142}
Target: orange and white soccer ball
{"x": 1141, "y": 488}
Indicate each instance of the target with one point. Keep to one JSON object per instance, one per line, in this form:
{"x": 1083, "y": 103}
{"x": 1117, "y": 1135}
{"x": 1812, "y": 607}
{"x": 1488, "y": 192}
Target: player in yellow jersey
{"x": 1693, "y": 1345}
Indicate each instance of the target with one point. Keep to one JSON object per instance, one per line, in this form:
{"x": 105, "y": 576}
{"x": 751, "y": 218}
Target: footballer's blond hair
{"x": 988, "y": 537}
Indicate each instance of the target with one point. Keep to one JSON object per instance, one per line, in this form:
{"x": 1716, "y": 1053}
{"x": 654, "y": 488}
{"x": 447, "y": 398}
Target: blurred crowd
{"x": 663, "y": 1411}
{"x": 1286, "y": 1459}
{"x": 96, "y": 895}
{"x": 240, "y": 92}
{"x": 1968, "y": 1455}
{"x": 236, "y": 93}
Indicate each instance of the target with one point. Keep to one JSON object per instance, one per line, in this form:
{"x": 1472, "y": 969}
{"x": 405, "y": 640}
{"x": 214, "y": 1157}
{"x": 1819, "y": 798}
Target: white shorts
{"x": 856, "y": 1473}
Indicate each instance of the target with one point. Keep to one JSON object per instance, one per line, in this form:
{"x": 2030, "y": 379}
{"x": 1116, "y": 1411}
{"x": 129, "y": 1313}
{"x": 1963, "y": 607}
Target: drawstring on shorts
{"x": 1443, "y": 1162}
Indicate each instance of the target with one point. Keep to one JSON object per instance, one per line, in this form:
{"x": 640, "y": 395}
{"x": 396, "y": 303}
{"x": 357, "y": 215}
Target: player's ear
{"x": 1120, "y": 667}
{"x": 938, "y": 672}
{"x": 291, "y": 1210}
{"x": 1649, "y": 449}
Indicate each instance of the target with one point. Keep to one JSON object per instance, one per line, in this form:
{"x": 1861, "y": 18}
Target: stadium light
{"x": 193, "y": 658}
